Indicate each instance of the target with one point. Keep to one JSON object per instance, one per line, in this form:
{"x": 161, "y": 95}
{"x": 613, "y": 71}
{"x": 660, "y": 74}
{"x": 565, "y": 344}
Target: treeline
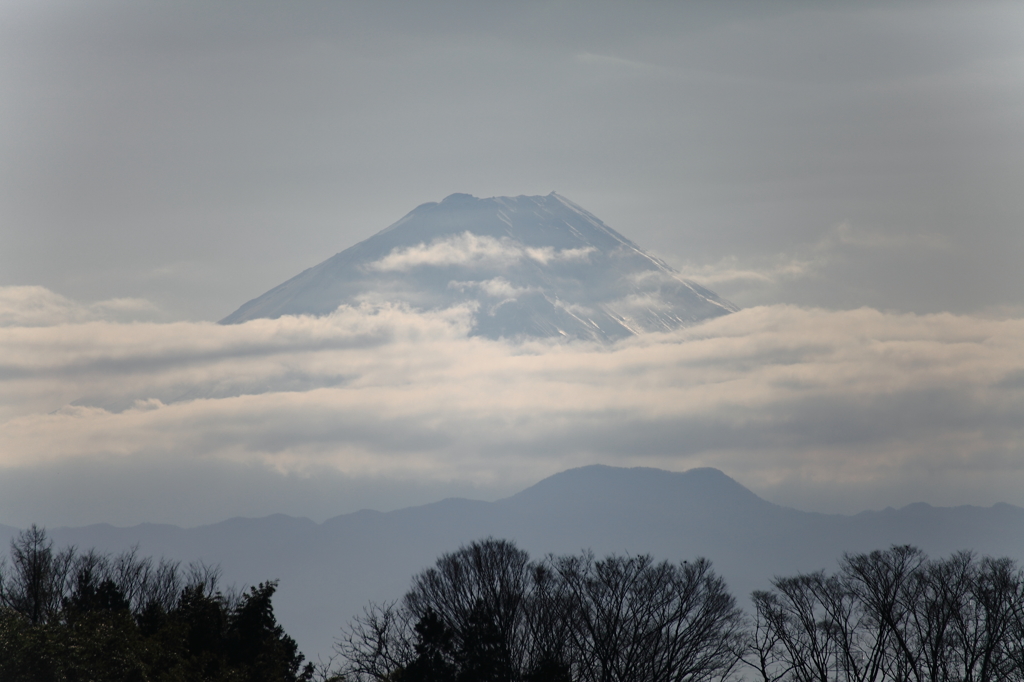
{"x": 67, "y": 616}
{"x": 893, "y": 615}
{"x": 488, "y": 613}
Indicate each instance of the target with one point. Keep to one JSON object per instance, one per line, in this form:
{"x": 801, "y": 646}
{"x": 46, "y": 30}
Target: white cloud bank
{"x": 835, "y": 410}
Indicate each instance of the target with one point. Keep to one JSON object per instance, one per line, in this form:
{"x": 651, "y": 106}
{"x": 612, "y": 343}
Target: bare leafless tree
{"x": 491, "y": 614}
{"x": 893, "y": 615}
{"x": 484, "y": 583}
{"x": 762, "y": 650}
{"x": 38, "y": 578}
{"x": 636, "y": 620}
{"x": 377, "y": 643}
{"x": 551, "y": 617}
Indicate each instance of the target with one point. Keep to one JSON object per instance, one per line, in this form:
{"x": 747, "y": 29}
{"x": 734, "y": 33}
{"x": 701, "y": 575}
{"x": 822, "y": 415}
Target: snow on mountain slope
{"x": 530, "y": 266}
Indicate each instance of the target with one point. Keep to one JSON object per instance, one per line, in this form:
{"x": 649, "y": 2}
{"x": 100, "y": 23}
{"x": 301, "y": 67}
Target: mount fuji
{"x": 536, "y": 266}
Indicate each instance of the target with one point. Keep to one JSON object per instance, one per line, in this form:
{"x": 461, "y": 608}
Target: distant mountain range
{"x": 529, "y": 266}
{"x": 329, "y": 571}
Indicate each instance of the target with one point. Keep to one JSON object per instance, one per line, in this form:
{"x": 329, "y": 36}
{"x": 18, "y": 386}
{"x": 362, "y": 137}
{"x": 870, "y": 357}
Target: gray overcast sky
{"x": 169, "y": 161}
{"x": 197, "y": 154}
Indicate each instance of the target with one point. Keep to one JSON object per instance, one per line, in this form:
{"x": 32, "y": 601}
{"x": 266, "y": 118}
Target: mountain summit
{"x": 530, "y": 266}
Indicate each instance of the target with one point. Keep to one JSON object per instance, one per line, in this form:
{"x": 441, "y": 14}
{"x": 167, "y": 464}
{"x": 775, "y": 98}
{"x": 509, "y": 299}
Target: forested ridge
{"x": 489, "y": 613}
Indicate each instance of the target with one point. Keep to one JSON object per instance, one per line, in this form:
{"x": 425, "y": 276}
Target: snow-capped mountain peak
{"x": 531, "y": 266}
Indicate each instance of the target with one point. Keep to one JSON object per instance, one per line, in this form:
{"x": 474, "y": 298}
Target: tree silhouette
{"x": 66, "y": 616}
{"x": 486, "y": 613}
{"x": 893, "y": 615}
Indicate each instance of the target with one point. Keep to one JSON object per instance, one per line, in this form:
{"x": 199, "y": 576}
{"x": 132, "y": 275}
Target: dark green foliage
{"x": 440, "y": 657}
{"x": 435, "y": 652}
{"x": 484, "y": 657}
{"x": 69, "y": 617}
{"x": 257, "y": 644}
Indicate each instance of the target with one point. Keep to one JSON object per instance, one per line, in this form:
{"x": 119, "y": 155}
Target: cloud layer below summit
{"x": 828, "y": 410}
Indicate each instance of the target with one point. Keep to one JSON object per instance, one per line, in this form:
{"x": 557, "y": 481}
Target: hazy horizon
{"x": 847, "y": 174}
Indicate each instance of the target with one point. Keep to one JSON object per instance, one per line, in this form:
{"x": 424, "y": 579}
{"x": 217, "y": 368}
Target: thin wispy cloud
{"x": 731, "y": 270}
{"x": 35, "y": 306}
{"x": 472, "y": 250}
{"x": 496, "y": 287}
{"x": 753, "y": 278}
{"x": 618, "y": 64}
{"x": 845, "y": 234}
